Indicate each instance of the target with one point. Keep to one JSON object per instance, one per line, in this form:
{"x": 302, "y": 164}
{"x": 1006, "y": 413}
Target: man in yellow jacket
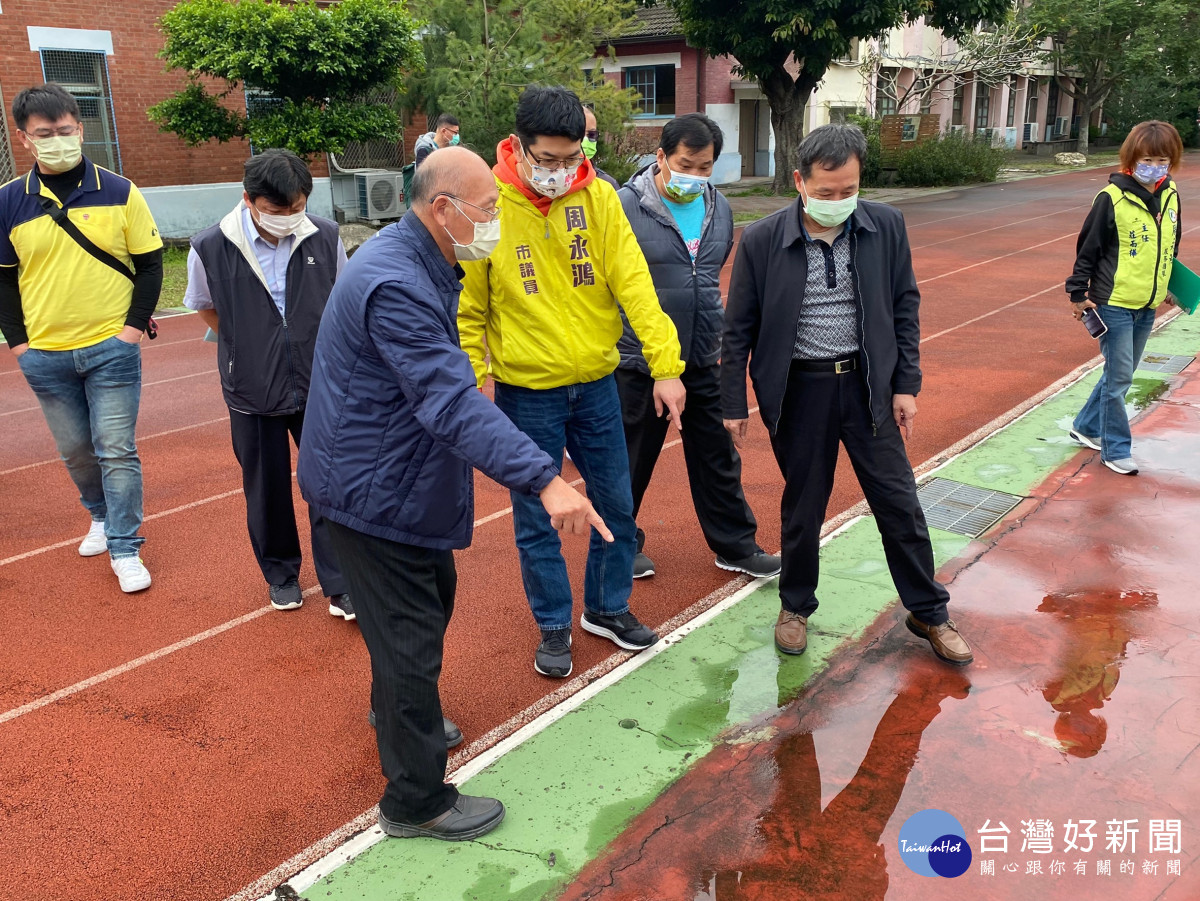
{"x": 546, "y": 301}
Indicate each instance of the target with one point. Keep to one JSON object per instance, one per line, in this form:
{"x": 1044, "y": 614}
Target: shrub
{"x": 872, "y": 168}
{"x": 951, "y": 159}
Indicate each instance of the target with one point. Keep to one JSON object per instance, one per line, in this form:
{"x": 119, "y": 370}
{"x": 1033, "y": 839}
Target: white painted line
{"x": 46, "y": 700}
{"x": 184, "y": 428}
{"x": 1003, "y": 256}
{"x": 152, "y": 516}
{"x": 177, "y": 378}
{"x": 1019, "y": 223}
{"x": 1057, "y": 286}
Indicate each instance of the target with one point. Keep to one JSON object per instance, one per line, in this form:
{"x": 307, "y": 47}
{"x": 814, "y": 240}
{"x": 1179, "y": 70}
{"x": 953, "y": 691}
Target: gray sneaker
{"x": 553, "y": 657}
{"x": 760, "y": 564}
{"x": 643, "y": 566}
{"x": 286, "y": 596}
{"x": 1125, "y": 467}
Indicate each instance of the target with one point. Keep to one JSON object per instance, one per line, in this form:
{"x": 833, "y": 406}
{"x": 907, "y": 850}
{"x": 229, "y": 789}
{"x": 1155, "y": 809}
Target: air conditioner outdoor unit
{"x": 1062, "y": 126}
{"x": 986, "y": 135}
{"x": 956, "y": 129}
{"x": 1031, "y": 132}
{"x": 1010, "y": 138}
{"x": 380, "y": 194}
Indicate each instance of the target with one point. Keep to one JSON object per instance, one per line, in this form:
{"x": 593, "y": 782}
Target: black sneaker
{"x": 643, "y": 566}
{"x": 553, "y": 657}
{"x": 760, "y": 564}
{"x": 624, "y": 630}
{"x": 286, "y": 596}
{"x": 339, "y": 605}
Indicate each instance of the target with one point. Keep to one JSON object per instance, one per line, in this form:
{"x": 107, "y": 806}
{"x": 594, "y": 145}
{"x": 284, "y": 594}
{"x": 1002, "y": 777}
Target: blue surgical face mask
{"x": 680, "y": 187}
{"x": 1148, "y": 174}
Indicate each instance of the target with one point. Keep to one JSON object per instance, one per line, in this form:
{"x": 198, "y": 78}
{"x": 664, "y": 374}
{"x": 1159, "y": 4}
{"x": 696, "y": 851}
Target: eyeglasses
{"x": 556, "y": 164}
{"x": 66, "y": 131}
{"x": 492, "y": 215}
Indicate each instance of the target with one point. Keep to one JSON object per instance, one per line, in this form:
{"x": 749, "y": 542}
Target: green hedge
{"x": 872, "y": 170}
{"x": 951, "y": 159}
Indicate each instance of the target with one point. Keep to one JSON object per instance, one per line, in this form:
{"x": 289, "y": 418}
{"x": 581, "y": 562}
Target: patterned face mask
{"x": 1149, "y": 174}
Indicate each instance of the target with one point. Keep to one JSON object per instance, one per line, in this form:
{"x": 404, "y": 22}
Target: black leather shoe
{"x": 454, "y": 736}
{"x": 469, "y": 818}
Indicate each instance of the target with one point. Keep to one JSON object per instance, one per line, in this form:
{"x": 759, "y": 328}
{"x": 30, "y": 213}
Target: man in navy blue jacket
{"x": 394, "y": 426}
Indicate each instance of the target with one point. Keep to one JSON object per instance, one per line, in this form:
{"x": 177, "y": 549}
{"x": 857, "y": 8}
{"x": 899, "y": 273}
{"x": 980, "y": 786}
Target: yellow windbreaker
{"x": 546, "y": 299}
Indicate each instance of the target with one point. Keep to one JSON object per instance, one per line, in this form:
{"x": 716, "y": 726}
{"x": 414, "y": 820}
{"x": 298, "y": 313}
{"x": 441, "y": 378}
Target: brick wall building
{"x": 106, "y": 53}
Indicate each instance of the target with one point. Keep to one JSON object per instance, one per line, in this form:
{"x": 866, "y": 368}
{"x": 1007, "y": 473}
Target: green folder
{"x": 1185, "y": 286}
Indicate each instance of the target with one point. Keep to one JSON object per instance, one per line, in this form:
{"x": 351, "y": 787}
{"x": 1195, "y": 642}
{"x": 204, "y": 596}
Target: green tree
{"x": 1160, "y": 73}
{"x": 314, "y": 69}
{"x": 786, "y": 45}
{"x": 482, "y": 53}
{"x": 1088, "y": 40}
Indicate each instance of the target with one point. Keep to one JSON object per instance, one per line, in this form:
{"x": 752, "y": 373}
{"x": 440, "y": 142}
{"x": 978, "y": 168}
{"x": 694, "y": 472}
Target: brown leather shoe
{"x": 945, "y": 640}
{"x": 791, "y": 632}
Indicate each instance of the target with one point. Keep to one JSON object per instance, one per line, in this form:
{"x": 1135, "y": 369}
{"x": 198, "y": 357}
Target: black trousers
{"x": 262, "y": 448}
{"x": 404, "y": 597}
{"x": 819, "y": 410}
{"x": 713, "y": 466}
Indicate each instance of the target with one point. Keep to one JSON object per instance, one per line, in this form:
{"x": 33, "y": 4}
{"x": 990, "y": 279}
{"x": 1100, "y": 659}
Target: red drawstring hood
{"x": 508, "y": 171}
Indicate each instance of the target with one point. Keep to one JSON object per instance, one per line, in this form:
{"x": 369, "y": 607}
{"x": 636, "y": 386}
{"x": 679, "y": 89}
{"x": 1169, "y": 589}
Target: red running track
{"x": 184, "y": 741}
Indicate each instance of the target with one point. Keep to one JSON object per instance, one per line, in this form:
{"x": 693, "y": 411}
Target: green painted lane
{"x": 572, "y": 787}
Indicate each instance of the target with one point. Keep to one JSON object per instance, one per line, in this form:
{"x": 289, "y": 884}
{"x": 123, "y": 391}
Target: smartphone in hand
{"x": 1095, "y": 325}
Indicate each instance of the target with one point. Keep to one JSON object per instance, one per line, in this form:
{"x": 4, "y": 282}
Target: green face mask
{"x": 589, "y": 147}
{"x": 454, "y": 141}
{"x": 58, "y": 153}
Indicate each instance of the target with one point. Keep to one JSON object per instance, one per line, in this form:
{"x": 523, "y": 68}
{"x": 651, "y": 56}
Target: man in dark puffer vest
{"x": 260, "y": 280}
{"x": 685, "y": 228}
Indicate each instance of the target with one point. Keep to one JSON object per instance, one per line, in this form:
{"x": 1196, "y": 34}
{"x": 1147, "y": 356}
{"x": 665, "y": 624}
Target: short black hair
{"x": 831, "y": 146}
{"x": 695, "y": 131}
{"x": 445, "y": 119}
{"x": 50, "y": 101}
{"x": 551, "y": 112}
{"x": 278, "y": 175}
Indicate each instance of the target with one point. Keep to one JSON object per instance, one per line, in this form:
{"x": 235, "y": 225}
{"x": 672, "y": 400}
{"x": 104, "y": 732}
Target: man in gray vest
{"x": 685, "y": 228}
{"x": 260, "y": 280}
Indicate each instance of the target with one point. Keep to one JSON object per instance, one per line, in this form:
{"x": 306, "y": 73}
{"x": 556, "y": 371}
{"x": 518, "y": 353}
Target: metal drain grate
{"x": 963, "y": 509}
{"x": 1164, "y": 363}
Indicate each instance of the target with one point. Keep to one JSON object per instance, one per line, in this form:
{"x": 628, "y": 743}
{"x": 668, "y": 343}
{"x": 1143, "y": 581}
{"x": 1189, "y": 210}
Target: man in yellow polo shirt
{"x": 74, "y": 321}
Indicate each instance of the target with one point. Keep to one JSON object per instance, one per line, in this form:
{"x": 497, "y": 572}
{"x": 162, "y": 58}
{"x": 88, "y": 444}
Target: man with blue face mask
{"x": 685, "y": 228}
{"x": 823, "y": 307}
{"x": 260, "y": 279}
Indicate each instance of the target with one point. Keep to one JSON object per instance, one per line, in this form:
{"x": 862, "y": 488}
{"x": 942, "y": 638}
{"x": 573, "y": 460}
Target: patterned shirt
{"x": 828, "y": 325}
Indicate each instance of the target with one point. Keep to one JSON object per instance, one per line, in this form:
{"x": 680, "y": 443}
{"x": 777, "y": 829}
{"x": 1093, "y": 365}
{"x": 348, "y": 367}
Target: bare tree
{"x": 987, "y": 57}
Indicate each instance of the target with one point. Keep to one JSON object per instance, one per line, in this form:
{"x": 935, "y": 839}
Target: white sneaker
{"x": 1125, "y": 467}
{"x": 94, "y": 542}
{"x": 131, "y": 573}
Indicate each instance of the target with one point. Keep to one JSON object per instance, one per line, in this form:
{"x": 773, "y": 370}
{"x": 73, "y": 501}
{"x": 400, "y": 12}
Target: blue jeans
{"x": 1104, "y": 416}
{"x": 587, "y": 420}
{"x": 90, "y": 399}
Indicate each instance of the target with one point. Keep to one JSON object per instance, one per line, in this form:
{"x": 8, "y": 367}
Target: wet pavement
{"x": 1068, "y": 753}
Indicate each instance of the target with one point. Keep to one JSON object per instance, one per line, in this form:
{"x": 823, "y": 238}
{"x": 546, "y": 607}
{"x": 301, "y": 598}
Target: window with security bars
{"x": 8, "y": 166}
{"x": 656, "y": 84}
{"x": 84, "y": 75}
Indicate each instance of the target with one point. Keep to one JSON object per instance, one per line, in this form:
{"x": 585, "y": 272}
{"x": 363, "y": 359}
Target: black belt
{"x": 846, "y": 364}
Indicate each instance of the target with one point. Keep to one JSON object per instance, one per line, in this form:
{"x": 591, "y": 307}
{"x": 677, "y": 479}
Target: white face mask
{"x": 486, "y": 237}
{"x": 281, "y": 226}
{"x": 550, "y": 182}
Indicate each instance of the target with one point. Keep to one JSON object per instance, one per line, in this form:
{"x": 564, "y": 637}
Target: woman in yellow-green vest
{"x": 1123, "y": 263}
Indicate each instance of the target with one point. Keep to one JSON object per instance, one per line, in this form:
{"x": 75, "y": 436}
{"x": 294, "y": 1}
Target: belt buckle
{"x": 842, "y": 366}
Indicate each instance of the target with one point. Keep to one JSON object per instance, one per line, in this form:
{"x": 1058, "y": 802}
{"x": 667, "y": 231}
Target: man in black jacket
{"x": 824, "y": 307}
{"x": 685, "y": 229}
{"x": 260, "y": 279}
